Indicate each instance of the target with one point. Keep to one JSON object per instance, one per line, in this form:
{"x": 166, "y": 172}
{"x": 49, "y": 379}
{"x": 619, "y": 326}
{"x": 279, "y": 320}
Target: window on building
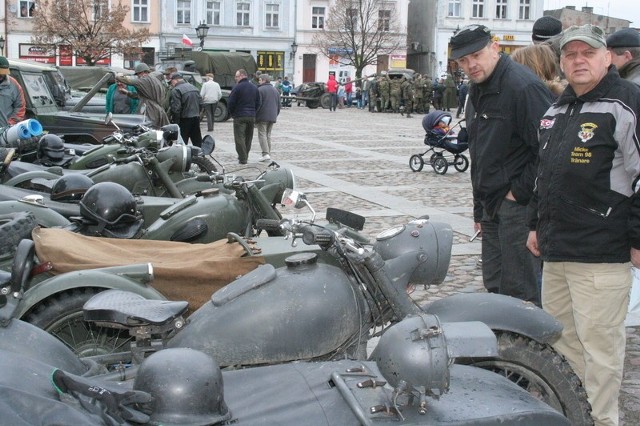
{"x": 27, "y": 8}
{"x": 272, "y": 18}
{"x": 525, "y": 9}
{"x": 477, "y": 10}
{"x": 351, "y": 21}
{"x": 100, "y": 8}
{"x": 243, "y": 12}
{"x": 317, "y": 17}
{"x": 455, "y": 8}
{"x": 501, "y": 9}
{"x": 384, "y": 20}
{"x": 140, "y": 10}
{"x": 213, "y": 13}
{"x": 183, "y": 11}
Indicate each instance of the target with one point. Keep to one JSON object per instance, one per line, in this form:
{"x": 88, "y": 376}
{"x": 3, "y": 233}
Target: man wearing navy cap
{"x": 585, "y": 214}
{"x": 624, "y": 46}
{"x": 509, "y": 101}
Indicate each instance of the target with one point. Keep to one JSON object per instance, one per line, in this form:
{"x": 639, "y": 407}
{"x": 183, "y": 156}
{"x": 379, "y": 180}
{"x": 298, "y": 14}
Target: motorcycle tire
{"x": 461, "y": 162}
{"x": 541, "y": 371}
{"x": 61, "y": 315}
{"x": 15, "y": 227}
{"x": 203, "y": 165}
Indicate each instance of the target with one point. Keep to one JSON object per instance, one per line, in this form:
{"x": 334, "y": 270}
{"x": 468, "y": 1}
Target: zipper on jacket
{"x": 589, "y": 209}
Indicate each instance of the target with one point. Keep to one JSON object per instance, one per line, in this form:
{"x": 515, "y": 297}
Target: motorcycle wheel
{"x": 203, "y": 165}
{"x": 61, "y": 316}
{"x": 541, "y": 371}
{"x": 461, "y": 162}
{"x": 13, "y": 228}
{"x": 416, "y": 163}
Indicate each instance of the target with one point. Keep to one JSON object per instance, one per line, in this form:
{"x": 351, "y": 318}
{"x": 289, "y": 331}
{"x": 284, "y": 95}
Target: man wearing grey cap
{"x": 150, "y": 90}
{"x": 585, "y": 215}
{"x": 624, "y": 46}
{"x": 508, "y": 100}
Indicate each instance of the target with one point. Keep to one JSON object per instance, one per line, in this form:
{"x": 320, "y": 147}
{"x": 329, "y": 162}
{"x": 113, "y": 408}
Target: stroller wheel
{"x": 461, "y": 162}
{"x": 433, "y": 157}
{"x": 416, "y": 163}
{"x": 440, "y": 165}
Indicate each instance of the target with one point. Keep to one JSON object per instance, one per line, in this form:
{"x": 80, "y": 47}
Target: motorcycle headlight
{"x": 181, "y": 154}
{"x": 432, "y": 239}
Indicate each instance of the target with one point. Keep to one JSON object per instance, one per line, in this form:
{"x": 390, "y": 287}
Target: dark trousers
{"x": 508, "y": 267}
{"x": 243, "y": 136}
{"x": 190, "y": 129}
{"x": 334, "y": 101}
{"x": 210, "y": 111}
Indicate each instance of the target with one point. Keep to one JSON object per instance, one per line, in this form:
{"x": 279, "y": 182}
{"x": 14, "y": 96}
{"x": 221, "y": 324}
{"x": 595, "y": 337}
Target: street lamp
{"x": 294, "y": 49}
{"x": 1, "y": 45}
{"x": 201, "y": 31}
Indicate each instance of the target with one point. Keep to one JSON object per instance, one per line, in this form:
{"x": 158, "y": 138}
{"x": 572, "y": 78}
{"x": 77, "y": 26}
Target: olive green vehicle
{"x": 37, "y": 81}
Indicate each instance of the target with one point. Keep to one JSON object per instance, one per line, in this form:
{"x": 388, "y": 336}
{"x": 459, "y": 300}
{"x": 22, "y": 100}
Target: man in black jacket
{"x": 243, "y": 102}
{"x": 509, "y": 101}
{"x": 185, "y": 109}
{"x": 585, "y": 214}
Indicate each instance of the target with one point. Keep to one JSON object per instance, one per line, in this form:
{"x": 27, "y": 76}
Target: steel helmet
{"x": 186, "y": 386}
{"x": 70, "y": 188}
{"x": 112, "y": 210}
{"x": 51, "y": 149}
{"x": 141, "y": 67}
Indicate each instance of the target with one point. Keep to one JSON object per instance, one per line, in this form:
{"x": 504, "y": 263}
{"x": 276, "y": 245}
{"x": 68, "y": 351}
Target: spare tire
{"x": 15, "y": 227}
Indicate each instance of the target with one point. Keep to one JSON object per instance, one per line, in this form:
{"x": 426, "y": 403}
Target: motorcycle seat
{"x": 130, "y": 309}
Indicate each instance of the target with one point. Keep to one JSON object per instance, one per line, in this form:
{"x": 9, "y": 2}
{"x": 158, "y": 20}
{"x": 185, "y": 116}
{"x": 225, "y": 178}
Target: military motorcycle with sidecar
{"x": 320, "y": 311}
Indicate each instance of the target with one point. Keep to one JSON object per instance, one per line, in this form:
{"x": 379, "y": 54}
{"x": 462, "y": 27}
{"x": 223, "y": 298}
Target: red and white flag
{"x": 186, "y": 40}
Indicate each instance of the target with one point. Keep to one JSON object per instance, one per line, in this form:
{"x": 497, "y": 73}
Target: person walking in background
{"x": 509, "y": 101}
{"x": 185, "y": 109}
{"x": 117, "y": 102}
{"x": 463, "y": 90}
{"x": 585, "y": 215}
{"x": 150, "y": 91}
{"x": 348, "y": 90}
{"x": 12, "y": 102}
{"x": 211, "y": 94}
{"x": 624, "y": 46}
{"x": 267, "y": 114}
{"x": 243, "y": 102}
{"x": 341, "y": 96}
{"x": 438, "y": 94}
{"x": 286, "y": 92}
{"x": 332, "y": 88}
{"x": 449, "y": 98}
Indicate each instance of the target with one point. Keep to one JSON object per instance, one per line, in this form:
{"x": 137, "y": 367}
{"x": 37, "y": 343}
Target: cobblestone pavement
{"x": 359, "y": 161}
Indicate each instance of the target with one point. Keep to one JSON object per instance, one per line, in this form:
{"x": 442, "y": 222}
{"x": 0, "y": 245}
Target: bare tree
{"x": 356, "y": 32}
{"x": 91, "y": 28}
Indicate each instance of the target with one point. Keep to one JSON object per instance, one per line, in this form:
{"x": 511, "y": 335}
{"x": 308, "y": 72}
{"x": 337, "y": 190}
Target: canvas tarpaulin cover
{"x": 182, "y": 271}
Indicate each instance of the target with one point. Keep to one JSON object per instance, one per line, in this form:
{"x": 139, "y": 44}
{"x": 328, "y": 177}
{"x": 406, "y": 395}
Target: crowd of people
{"x": 555, "y": 166}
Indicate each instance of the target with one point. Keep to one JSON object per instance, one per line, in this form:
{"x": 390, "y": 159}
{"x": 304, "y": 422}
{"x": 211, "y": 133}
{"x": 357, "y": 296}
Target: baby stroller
{"x": 446, "y": 147}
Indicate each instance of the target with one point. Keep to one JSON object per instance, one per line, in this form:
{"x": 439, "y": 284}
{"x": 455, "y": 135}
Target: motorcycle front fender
{"x": 499, "y": 312}
{"x": 134, "y": 278}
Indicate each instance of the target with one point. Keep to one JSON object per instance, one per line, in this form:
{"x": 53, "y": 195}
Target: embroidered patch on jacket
{"x": 587, "y": 131}
{"x": 546, "y": 123}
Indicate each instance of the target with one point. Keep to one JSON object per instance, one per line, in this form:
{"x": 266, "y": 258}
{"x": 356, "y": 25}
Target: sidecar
{"x": 396, "y": 390}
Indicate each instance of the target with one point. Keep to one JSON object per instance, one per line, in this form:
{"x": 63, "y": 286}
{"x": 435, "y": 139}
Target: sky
{"x": 623, "y": 9}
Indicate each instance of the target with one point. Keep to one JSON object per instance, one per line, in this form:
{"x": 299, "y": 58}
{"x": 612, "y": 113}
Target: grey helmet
{"x": 110, "y": 210}
{"x": 186, "y": 386}
{"x": 70, "y": 188}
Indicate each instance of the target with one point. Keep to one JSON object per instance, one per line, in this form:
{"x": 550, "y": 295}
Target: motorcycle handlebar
{"x": 314, "y": 235}
{"x": 268, "y": 224}
{"x": 210, "y": 178}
